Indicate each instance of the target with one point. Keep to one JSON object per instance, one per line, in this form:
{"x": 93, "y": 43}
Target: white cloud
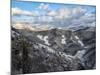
{"x": 78, "y": 12}
{"x": 84, "y": 20}
{"x": 63, "y": 13}
{"x": 68, "y": 12}
{"x": 18, "y": 11}
{"x": 52, "y": 13}
{"x": 45, "y": 19}
{"x": 93, "y": 24}
{"x": 77, "y": 16}
{"x": 88, "y": 18}
{"x": 44, "y": 6}
{"x": 62, "y": 17}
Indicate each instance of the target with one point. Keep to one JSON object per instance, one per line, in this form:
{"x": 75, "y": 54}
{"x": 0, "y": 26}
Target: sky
{"x": 53, "y": 14}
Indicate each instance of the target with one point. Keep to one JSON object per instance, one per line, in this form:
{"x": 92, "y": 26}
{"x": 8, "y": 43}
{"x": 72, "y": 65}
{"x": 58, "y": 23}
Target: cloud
{"x": 52, "y": 13}
{"x": 63, "y": 13}
{"x": 43, "y": 20}
{"x": 88, "y": 18}
{"x": 62, "y": 17}
{"x": 77, "y": 16}
{"x": 84, "y": 20}
{"x": 68, "y": 12}
{"x": 93, "y": 24}
{"x": 65, "y": 17}
{"x": 18, "y": 11}
{"x": 78, "y": 12}
{"x": 44, "y": 6}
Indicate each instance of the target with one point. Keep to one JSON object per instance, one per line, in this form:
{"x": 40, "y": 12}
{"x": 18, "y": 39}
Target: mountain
{"x": 27, "y": 26}
{"x": 52, "y": 50}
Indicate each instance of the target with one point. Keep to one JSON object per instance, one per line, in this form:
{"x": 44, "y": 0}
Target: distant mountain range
{"x": 37, "y": 27}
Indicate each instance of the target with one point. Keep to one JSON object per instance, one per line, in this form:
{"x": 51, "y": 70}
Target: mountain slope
{"x": 52, "y": 50}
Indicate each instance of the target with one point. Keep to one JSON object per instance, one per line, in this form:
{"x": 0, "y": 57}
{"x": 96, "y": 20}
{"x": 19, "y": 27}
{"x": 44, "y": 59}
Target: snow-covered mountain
{"x": 52, "y": 50}
{"x": 28, "y": 26}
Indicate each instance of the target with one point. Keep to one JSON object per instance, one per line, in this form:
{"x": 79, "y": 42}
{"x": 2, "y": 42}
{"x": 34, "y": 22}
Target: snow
{"x": 79, "y": 41}
{"x": 35, "y": 46}
{"x": 51, "y": 28}
{"x": 77, "y": 37}
{"x": 47, "y": 48}
{"x": 46, "y": 41}
{"x": 59, "y": 28}
{"x": 63, "y": 41}
{"x": 40, "y": 37}
{"x": 80, "y": 53}
{"x": 67, "y": 57}
{"x": 14, "y": 34}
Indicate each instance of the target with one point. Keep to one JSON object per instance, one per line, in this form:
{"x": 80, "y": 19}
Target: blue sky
{"x": 49, "y": 12}
{"x": 30, "y": 6}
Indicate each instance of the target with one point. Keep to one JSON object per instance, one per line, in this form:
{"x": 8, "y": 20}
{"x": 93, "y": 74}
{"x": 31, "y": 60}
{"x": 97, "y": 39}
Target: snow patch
{"x": 63, "y": 41}
{"x": 14, "y": 34}
{"x": 77, "y": 37}
{"x": 40, "y": 37}
{"x": 67, "y": 57}
{"x": 79, "y": 54}
{"x": 59, "y": 28}
{"x": 79, "y": 41}
{"x": 47, "y": 48}
{"x": 46, "y": 40}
